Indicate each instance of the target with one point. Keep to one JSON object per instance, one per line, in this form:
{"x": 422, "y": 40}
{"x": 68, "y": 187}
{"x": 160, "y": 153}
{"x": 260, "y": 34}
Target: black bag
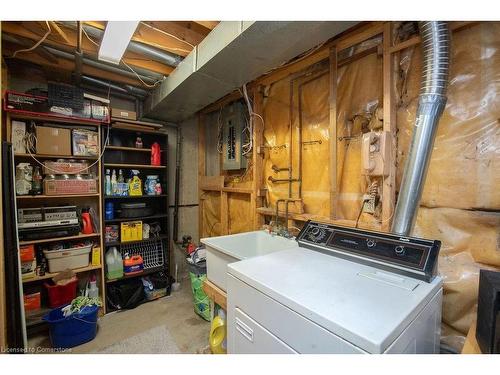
{"x": 126, "y": 294}
{"x": 161, "y": 280}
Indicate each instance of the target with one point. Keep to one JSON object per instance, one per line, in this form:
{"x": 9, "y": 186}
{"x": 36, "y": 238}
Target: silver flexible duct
{"x": 436, "y": 50}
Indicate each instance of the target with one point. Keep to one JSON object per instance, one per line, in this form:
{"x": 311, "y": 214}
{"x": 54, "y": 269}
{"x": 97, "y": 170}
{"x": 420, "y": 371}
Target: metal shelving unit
{"x": 120, "y": 153}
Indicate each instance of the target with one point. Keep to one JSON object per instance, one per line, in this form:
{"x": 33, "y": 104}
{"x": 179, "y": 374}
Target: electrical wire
{"x": 89, "y": 38}
{"x": 170, "y": 35}
{"x": 139, "y": 77}
{"x": 36, "y": 44}
{"x": 124, "y": 63}
{"x": 30, "y": 138}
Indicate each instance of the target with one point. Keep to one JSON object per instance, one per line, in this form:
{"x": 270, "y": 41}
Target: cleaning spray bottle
{"x": 135, "y": 184}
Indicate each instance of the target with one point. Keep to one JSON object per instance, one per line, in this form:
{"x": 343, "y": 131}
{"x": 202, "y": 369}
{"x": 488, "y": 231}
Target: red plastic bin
{"x": 61, "y": 294}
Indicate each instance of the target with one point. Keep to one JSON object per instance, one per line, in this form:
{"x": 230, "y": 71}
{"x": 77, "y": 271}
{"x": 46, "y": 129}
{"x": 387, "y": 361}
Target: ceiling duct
{"x": 153, "y": 53}
{"x": 436, "y": 51}
{"x": 146, "y": 75}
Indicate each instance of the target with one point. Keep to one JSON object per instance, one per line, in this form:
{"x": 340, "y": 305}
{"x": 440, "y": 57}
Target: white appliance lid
{"x": 361, "y": 304}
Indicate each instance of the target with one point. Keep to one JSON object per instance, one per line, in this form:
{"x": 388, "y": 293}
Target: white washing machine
{"x": 343, "y": 290}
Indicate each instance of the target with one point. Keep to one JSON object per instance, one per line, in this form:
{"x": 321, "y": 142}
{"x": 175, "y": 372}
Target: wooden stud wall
{"x": 333, "y": 133}
{"x": 329, "y": 50}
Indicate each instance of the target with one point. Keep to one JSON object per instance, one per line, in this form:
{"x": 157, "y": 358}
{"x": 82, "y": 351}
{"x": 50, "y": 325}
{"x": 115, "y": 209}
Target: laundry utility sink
{"x": 223, "y": 250}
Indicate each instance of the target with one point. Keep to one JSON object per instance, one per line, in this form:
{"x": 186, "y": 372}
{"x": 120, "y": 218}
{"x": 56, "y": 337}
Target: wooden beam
{"x": 88, "y": 48}
{"x": 224, "y": 213}
{"x": 415, "y": 40}
{"x": 389, "y": 184}
{"x": 215, "y": 293}
{"x": 187, "y": 31}
{"x": 332, "y": 130}
{"x": 154, "y": 38}
{"x": 257, "y": 158}
{"x": 207, "y": 24}
{"x": 60, "y": 31}
{"x": 69, "y": 66}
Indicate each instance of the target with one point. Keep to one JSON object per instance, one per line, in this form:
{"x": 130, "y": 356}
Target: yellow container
{"x": 131, "y": 231}
{"x": 218, "y": 332}
{"x": 96, "y": 256}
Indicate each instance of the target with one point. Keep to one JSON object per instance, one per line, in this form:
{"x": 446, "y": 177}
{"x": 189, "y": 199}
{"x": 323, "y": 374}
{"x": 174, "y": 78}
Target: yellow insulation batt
{"x": 464, "y": 173}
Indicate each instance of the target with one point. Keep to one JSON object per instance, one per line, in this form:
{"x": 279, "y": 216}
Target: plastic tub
{"x": 73, "y": 330}
{"x": 61, "y": 294}
{"x": 60, "y": 260}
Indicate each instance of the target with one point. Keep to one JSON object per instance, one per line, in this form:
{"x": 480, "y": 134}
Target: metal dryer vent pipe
{"x": 137, "y": 47}
{"x": 436, "y": 58}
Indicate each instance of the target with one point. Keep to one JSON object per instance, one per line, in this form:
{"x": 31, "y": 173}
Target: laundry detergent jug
{"x": 114, "y": 264}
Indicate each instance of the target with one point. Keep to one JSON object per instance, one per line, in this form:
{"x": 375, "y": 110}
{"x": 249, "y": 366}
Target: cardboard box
{"x": 71, "y": 186}
{"x": 123, "y": 113}
{"x": 53, "y": 141}
{"x": 85, "y": 143}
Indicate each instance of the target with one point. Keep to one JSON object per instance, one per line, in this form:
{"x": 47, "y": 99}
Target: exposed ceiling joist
{"x": 154, "y": 38}
{"x": 69, "y": 66}
{"x": 187, "y": 31}
{"x": 207, "y": 24}
{"x": 35, "y": 32}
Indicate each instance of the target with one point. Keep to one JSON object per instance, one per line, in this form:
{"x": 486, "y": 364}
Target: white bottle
{"x": 107, "y": 183}
{"x": 113, "y": 183}
{"x": 93, "y": 290}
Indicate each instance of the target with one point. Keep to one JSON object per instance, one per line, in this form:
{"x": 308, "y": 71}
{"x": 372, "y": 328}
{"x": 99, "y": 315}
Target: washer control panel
{"x": 411, "y": 256}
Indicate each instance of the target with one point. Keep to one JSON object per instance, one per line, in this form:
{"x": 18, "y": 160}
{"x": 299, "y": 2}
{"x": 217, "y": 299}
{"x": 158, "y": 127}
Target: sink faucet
{"x": 279, "y": 230}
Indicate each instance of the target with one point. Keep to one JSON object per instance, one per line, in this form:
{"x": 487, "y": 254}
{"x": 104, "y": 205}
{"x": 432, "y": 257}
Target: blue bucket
{"x": 73, "y": 330}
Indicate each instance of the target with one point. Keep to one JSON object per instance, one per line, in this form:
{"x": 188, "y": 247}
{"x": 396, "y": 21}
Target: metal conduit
{"x": 432, "y": 101}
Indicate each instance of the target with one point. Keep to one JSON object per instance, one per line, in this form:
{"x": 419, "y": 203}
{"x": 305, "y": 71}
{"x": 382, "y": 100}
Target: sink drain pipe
{"x": 436, "y": 50}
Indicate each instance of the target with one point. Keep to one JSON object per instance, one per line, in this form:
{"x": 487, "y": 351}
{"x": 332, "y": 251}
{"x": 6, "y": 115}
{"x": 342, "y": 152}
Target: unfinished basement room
{"x": 194, "y": 179}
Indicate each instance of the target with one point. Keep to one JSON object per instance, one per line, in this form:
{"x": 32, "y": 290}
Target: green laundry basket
{"x": 198, "y": 275}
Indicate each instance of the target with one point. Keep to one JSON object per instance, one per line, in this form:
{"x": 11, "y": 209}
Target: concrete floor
{"x": 188, "y": 330}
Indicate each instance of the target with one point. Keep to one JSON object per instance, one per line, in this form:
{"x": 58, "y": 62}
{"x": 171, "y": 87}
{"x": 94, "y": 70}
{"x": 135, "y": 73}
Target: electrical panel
{"x": 233, "y": 127}
{"x": 376, "y": 153}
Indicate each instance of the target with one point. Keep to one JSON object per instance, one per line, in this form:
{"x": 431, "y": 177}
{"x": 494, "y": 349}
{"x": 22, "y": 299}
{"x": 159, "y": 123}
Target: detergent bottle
{"x": 218, "y": 331}
{"x": 114, "y": 264}
{"x": 155, "y": 154}
{"x": 87, "y": 227}
{"x": 135, "y": 184}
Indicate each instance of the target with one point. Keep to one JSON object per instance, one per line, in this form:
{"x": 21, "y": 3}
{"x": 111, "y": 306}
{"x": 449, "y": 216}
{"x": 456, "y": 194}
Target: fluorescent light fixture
{"x": 115, "y": 40}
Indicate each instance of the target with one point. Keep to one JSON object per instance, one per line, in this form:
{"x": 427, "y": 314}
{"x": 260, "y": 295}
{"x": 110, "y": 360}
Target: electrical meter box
{"x": 234, "y": 136}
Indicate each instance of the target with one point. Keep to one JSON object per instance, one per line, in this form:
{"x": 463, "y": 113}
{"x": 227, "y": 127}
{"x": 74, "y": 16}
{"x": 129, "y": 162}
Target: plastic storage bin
{"x": 61, "y": 294}
{"x": 60, "y": 260}
{"x": 73, "y": 330}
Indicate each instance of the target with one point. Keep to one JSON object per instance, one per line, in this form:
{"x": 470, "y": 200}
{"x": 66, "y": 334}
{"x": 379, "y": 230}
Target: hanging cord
{"x": 124, "y": 63}
{"x": 170, "y": 35}
{"x": 30, "y": 140}
{"x": 36, "y": 44}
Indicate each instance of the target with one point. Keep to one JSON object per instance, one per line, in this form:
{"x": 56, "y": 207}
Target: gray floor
{"x": 188, "y": 331}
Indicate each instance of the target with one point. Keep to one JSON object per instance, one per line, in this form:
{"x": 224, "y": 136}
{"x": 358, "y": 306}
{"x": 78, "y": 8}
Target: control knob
{"x": 370, "y": 242}
{"x": 399, "y": 250}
